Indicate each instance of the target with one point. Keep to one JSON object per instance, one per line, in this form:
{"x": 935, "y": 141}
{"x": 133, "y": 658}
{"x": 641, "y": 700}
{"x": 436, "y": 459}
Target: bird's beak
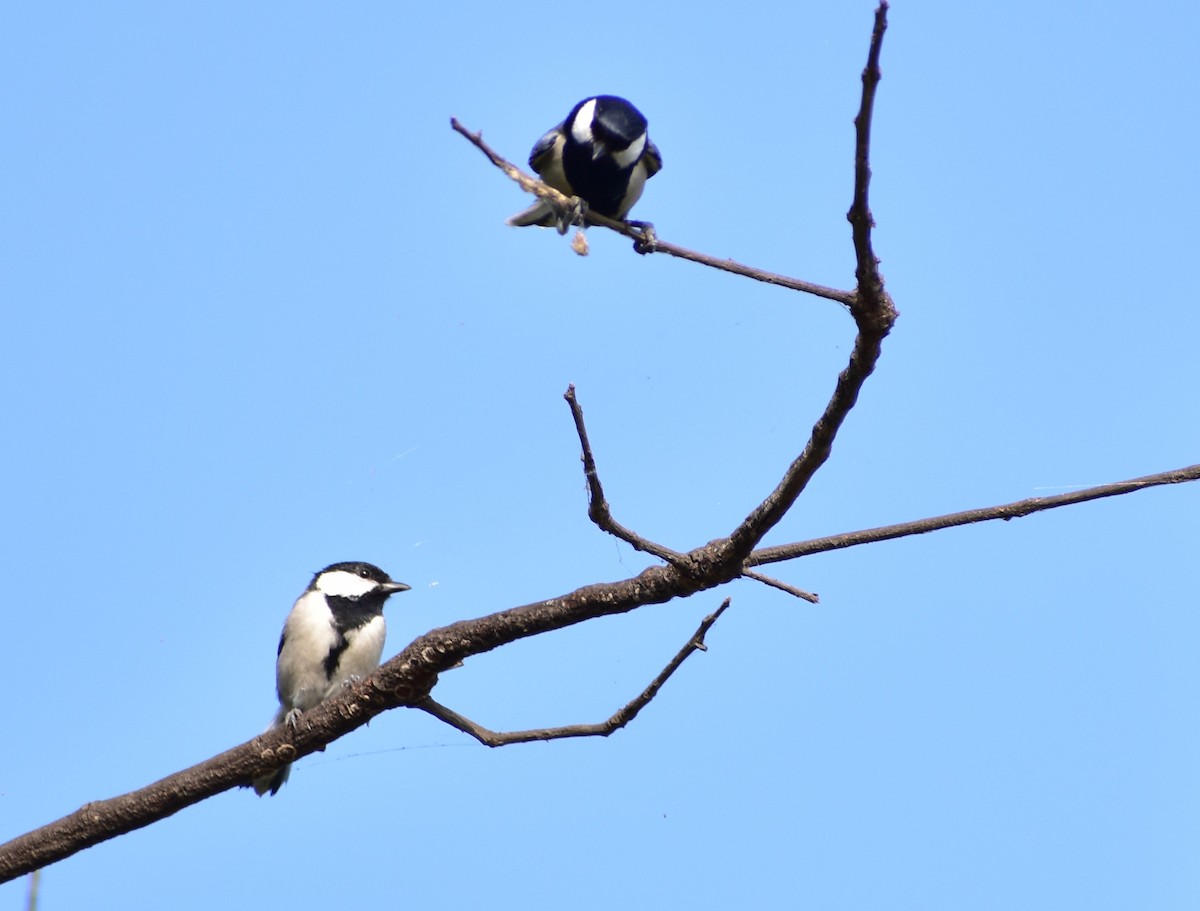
{"x": 393, "y": 587}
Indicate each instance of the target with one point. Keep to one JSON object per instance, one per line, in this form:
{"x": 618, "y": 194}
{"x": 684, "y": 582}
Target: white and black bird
{"x": 332, "y": 637}
{"x": 601, "y": 153}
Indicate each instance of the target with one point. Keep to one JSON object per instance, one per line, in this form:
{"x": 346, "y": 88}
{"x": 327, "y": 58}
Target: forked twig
{"x": 615, "y": 722}
{"x": 598, "y": 510}
{"x": 600, "y": 513}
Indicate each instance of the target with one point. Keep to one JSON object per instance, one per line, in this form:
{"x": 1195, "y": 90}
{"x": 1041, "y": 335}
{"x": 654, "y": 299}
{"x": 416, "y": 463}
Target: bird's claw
{"x": 575, "y": 213}
{"x": 647, "y": 239}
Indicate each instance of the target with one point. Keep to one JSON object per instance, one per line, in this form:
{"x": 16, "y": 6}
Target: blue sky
{"x": 262, "y": 314}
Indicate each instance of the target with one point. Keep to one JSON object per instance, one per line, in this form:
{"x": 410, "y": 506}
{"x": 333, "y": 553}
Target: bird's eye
{"x": 364, "y": 573}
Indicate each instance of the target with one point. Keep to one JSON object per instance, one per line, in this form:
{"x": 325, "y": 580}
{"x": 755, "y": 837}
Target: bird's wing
{"x": 543, "y": 149}
{"x": 652, "y": 158}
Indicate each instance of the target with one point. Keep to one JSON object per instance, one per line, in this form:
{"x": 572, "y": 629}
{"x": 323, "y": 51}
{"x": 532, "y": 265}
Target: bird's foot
{"x": 647, "y": 240}
{"x": 575, "y": 213}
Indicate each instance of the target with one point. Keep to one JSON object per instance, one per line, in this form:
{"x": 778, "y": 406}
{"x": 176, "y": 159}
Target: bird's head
{"x": 613, "y": 126}
{"x": 356, "y": 581}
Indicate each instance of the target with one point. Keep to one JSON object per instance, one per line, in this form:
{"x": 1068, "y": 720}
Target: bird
{"x": 601, "y": 153}
{"x": 332, "y": 637}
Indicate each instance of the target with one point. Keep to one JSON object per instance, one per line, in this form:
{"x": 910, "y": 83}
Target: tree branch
{"x": 601, "y": 515}
{"x": 645, "y": 241}
{"x": 598, "y": 510}
{"x": 615, "y": 722}
{"x": 407, "y": 679}
{"x": 872, "y": 302}
{"x": 1005, "y": 511}
{"x": 873, "y": 312}
{"x": 782, "y": 586}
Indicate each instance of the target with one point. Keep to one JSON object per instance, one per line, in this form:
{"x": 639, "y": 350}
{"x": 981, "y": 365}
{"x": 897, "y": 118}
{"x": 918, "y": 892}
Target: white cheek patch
{"x": 342, "y": 584}
{"x": 581, "y": 126}
{"x": 627, "y": 158}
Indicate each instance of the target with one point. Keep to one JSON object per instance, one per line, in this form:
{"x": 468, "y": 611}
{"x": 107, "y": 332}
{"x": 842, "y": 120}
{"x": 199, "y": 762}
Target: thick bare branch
{"x": 101, "y": 820}
{"x": 408, "y": 678}
{"x": 615, "y": 722}
{"x": 405, "y": 680}
{"x": 1005, "y": 511}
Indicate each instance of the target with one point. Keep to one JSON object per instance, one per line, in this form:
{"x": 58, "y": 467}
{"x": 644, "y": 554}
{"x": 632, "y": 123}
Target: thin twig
{"x": 781, "y": 585}
{"x": 643, "y": 241}
{"x": 615, "y": 722}
{"x": 598, "y": 510}
{"x": 1005, "y": 511}
{"x": 528, "y": 184}
{"x": 873, "y": 303}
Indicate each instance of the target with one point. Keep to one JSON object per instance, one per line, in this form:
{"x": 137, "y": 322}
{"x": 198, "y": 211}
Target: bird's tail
{"x": 539, "y": 213}
{"x": 273, "y": 781}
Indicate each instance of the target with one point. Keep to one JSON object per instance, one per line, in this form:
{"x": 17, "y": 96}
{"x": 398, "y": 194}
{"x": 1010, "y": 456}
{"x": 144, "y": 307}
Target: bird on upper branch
{"x": 601, "y": 153}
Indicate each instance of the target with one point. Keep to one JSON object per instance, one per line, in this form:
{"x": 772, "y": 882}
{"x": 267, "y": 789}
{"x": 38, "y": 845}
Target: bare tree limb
{"x": 600, "y": 513}
{"x": 873, "y": 313}
{"x": 615, "y": 722}
{"x": 1005, "y": 511}
{"x": 408, "y": 678}
{"x": 644, "y": 241}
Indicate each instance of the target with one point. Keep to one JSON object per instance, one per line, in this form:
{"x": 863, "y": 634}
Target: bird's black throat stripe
{"x": 349, "y": 614}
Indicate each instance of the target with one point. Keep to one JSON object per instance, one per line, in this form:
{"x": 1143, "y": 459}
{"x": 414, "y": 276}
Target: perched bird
{"x": 332, "y": 637}
{"x": 601, "y": 153}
